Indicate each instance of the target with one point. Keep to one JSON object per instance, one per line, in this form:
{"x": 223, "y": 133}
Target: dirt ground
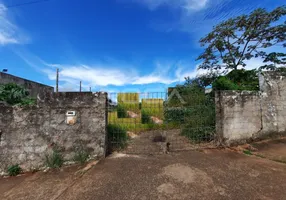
{"x": 143, "y": 143}
{"x": 209, "y": 174}
{"x": 272, "y": 149}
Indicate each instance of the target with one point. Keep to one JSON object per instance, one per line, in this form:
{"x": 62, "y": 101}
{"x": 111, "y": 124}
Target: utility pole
{"x": 90, "y": 89}
{"x": 80, "y": 86}
{"x": 57, "y": 81}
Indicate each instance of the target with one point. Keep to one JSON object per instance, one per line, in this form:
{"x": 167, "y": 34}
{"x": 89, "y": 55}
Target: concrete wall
{"x": 273, "y": 102}
{"x": 243, "y": 115}
{"x": 29, "y": 133}
{"x": 34, "y": 88}
{"x": 238, "y": 116}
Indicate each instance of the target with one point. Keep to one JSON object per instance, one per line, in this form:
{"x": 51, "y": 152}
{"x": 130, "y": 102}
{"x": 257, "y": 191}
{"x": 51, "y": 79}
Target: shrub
{"x": 121, "y": 111}
{"x": 198, "y": 134}
{"x": 54, "y": 160}
{"x": 238, "y": 80}
{"x": 14, "y": 170}
{"x": 223, "y": 83}
{"x": 14, "y": 94}
{"x": 117, "y": 137}
{"x": 145, "y": 117}
{"x": 200, "y": 125}
{"x": 81, "y": 156}
{"x": 176, "y": 115}
{"x": 27, "y": 101}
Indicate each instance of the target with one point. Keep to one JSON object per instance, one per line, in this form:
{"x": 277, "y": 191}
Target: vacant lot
{"x": 212, "y": 174}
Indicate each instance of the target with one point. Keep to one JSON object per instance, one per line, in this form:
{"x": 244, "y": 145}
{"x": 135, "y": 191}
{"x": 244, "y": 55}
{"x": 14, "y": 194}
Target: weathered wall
{"x": 238, "y": 115}
{"x": 28, "y": 134}
{"x": 273, "y": 102}
{"x": 244, "y": 115}
{"x": 34, "y": 88}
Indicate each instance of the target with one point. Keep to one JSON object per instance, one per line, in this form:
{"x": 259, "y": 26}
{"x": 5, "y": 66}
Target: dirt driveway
{"x": 213, "y": 174}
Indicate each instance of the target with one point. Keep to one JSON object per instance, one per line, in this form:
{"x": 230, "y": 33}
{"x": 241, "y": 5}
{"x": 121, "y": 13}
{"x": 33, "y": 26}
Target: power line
{"x": 26, "y": 3}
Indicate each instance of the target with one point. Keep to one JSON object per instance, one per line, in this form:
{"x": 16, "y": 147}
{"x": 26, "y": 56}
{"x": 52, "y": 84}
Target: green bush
{"x": 196, "y": 116}
{"x": 145, "y": 117}
{"x": 28, "y": 101}
{"x": 198, "y": 134}
{"x": 176, "y": 115}
{"x": 81, "y": 156}
{"x": 117, "y": 137}
{"x": 13, "y": 94}
{"x": 54, "y": 160}
{"x": 121, "y": 111}
{"x": 14, "y": 170}
{"x": 200, "y": 124}
{"x": 223, "y": 83}
{"x": 238, "y": 80}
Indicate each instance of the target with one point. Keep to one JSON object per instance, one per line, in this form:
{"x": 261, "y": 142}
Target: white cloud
{"x": 105, "y": 75}
{"x": 195, "y": 4}
{"x": 10, "y": 33}
{"x": 152, "y": 78}
{"x": 181, "y": 4}
{"x": 7, "y": 29}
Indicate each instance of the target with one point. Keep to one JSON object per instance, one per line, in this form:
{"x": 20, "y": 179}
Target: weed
{"x": 81, "y": 156}
{"x": 121, "y": 111}
{"x": 14, "y": 170}
{"x": 117, "y": 137}
{"x": 54, "y": 160}
{"x": 247, "y": 152}
{"x": 145, "y": 117}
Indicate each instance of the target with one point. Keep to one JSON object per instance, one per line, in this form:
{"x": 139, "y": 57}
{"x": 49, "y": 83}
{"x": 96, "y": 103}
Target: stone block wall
{"x": 244, "y": 115}
{"x": 27, "y": 134}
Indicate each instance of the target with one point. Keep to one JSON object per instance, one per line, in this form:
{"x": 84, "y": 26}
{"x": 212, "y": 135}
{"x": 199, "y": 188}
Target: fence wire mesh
{"x": 160, "y": 122}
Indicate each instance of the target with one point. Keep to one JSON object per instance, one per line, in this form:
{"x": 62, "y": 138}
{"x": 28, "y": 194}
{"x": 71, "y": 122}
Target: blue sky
{"x": 112, "y": 45}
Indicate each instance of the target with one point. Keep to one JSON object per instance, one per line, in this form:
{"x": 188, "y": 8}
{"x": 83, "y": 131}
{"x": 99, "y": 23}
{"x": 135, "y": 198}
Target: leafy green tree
{"x": 239, "y": 39}
{"x": 275, "y": 59}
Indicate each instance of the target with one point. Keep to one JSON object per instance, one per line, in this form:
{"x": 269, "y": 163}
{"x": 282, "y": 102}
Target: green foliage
{"x": 121, "y": 111}
{"x": 13, "y": 94}
{"x": 14, "y": 170}
{"x": 200, "y": 124}
{"x": 274, "y": 59}
{"x": 196, "y": 116}
{"x": 146, "y": 117}
{"x": 247, "y": 152}
{"x": 117, "y": 137}
{"x": 81, "y": 155}
{"x": 55, "y": 159}
{"x": 189, "y": 95}
{"x": 239, "y": 39}
{"x": 27, "y": 102}
{"x": 238, "y": 80}
{"x": 176, "y": 115}
{"x": 199, "y": 134}
{"x": 223, "y": 83}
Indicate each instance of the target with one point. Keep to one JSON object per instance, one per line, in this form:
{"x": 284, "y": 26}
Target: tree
{"x": 275, "y": 59}
{"x": 236, "y": 40}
